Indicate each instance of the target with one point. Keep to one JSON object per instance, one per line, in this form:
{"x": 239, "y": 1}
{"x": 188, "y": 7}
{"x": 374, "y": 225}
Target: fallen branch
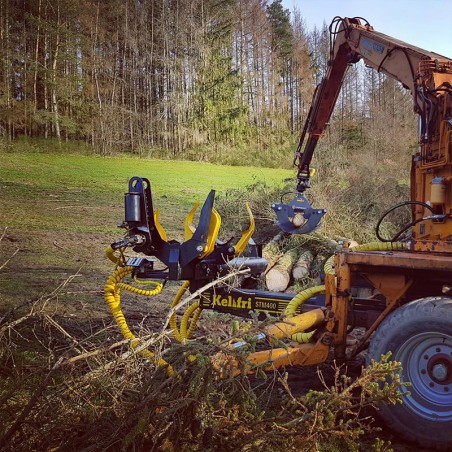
{"x": 11, "y": 325}
{"x": 98, "y": 351}
{"x": 44, "y": 300}
{"x": 4, "y": 439}
{"x": 63, "y": 332}
{"x": 3, "y": 233}
{"x": 7, "y": 260}
{"x": 144, "y": 344}
{"x": 59, "y": 246}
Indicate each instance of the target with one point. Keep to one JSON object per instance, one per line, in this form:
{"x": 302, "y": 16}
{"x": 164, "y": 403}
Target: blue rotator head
{"x": 298, "y": 217}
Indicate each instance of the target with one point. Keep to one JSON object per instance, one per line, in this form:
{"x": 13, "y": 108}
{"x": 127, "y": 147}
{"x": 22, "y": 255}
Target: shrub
{"x": 64, "y": 388}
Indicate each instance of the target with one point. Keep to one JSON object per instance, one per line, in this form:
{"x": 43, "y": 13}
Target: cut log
{"x": 271, "y": 251}
{"x": 278, "y": 277}
{"x": 302, "y": 267}
{"x": 272, "y": 247}
{"x": 346, "y": 242}
{"x": 298, "y": 220}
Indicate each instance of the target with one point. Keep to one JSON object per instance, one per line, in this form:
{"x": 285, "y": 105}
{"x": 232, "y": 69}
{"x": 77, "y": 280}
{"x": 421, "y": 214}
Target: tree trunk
{"x": 278, "y": 277}
{"x": 303, "y": 265}
{"x": 54, "y": 79}
{"x": 271, "y": 251}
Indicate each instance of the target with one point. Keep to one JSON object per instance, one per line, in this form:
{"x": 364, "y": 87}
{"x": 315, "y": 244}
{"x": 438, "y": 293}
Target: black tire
{"x": 419, "y": 335}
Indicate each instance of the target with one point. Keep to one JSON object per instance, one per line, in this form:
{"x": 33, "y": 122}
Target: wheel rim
{"x": 427, "y": 364}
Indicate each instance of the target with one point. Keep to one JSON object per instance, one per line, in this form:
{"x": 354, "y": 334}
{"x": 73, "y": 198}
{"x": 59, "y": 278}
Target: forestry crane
{"x": 398, "y": 290}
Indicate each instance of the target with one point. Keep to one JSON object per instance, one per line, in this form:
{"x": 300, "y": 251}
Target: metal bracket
{"x": 286, "y": 213}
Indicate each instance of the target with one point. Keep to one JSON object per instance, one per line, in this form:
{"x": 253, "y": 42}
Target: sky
{"x": 423, "y": 23}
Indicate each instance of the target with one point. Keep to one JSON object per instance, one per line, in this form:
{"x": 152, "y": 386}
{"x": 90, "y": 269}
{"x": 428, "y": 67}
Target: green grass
{"x": 62, "y": 210}
{"x": 81, "y": 193}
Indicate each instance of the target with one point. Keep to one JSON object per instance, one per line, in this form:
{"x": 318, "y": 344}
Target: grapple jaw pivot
{"x": 298, "y": 217}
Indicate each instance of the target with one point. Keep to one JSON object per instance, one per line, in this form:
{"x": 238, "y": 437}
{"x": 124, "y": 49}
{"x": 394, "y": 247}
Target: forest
{"x": 185, "y": 79}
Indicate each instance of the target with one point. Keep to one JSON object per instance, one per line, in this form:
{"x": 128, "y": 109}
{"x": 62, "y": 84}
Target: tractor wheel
{"x": 419, "y": 335}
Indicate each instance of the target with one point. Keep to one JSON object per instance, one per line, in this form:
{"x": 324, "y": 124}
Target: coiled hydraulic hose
{"x": 110, "y": 253}
{"x": 185, "y": 332}
{"x": 173, "y": 318}
{"x": 294, "y": 304}
{"x": 187, "y": 327}
{"x": 328, "y": 267}
{"x": 112, "y": 297}
{"x": 300, "y": 298}
{"x": 378, "y": 246}
{"x": 138, "y": 291}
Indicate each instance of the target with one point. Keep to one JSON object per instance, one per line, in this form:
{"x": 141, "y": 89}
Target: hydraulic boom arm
{"x": 426, "y": 74}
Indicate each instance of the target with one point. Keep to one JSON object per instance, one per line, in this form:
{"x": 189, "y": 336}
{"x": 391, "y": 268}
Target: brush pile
{"x": 72, "y": 384}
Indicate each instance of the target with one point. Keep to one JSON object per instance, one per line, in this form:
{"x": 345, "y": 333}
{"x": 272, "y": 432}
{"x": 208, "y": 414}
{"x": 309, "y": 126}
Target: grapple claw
{"x": 212, "y": 232}
{"x": 158, "y": 225}
{"x": 246, "y": 234}
{"x": 188, "y": 226}
{"x": 298, "y": 217}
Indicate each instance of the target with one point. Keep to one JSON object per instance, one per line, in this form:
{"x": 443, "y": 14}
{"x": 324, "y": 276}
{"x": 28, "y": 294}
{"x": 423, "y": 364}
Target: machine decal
{"x": 231, "y": 302}
{"x": 371, "y": 46}
{"x": 257, "y": 301}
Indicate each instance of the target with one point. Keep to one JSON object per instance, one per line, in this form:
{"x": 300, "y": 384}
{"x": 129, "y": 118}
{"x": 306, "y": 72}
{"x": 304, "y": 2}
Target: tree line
{"x": 128, "y": 75}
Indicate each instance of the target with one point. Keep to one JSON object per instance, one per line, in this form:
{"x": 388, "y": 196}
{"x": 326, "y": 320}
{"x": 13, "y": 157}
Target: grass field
{"x": 33, "y": 183}
{"x": 61, "y": 211}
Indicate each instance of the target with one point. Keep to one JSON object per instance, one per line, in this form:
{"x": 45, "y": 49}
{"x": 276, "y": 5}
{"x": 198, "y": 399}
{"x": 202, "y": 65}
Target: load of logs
{"x": 296, "y": 259}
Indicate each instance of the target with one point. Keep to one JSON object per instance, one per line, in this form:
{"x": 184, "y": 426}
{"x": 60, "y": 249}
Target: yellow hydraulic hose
{"x": 300, "y": 298}
{"x": 291, "y": 308}
{"x": 302, "y": 338}
{"x": 113, "y": 299}
{"x": 173, "y": 318}
{"x": 186, "y": 331}
{"x": 194, "y": 321}
{"x": 138, "y": 291}
{"x": 380, "y": 246}
{"x": 328, "y": 268}
{"x": 110, "y": 253}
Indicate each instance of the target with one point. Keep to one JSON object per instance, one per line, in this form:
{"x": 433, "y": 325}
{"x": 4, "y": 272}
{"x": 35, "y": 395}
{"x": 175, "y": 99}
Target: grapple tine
{"x": 161, "y": 230}
{"x": 247, "y": 234}
{"x": 195, "y": 246}
{"x": 188, "y": 227}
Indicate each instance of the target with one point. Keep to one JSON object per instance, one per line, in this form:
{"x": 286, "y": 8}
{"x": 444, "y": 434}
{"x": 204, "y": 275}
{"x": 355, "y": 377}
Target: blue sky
{"x": 423, "y": 23}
